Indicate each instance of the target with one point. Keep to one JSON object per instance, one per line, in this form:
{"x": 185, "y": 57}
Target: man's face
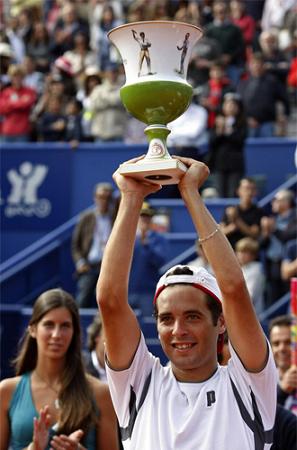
{"x": 187, "y": 333}
{"x": 280, "y": 340}
{"x": 102, "y": 199}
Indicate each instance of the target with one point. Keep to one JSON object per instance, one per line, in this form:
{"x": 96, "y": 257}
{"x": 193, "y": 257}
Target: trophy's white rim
{"x": 125, "y": 25}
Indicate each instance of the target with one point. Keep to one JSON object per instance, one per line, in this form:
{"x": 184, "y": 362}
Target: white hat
{"x": 200, "y": 279}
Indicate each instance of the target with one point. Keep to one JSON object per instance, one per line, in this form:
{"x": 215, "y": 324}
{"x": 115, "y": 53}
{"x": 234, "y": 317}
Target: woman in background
{"x": 226, "y": 146}
{"x": 52, "y": 402}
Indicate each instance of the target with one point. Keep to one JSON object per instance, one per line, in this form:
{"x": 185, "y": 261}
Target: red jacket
{"x": 15, "y": 107}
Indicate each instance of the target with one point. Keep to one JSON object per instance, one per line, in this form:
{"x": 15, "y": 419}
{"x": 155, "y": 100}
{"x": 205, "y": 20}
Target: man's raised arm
{"x": 121, "y": 328}
{"x": 244, "y": 330}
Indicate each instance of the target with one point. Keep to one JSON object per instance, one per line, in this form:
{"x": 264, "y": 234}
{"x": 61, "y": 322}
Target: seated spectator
{"x": 225, "y": 157}
{"x": 276, "y": 230}
{"x": 280, "y": 340}
{"x": 244, "y": 219}
{"x": 73, "y": 127}
{"x": 212, "y": 93}
{"x": 230, "y": 39}
{"x": 16, "y": 103}
{"x": 247, "y": 250}
{"x": 38, "y": 47}
{"x": 109, "y": 115}
{"x": 73, "y": 407}
{"x": 260, "y": 94}
{"x": 51, "y": 125}
{"x": 149, "y": 255}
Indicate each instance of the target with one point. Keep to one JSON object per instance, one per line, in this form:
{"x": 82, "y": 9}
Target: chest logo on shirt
{"x": 210, "y": 397}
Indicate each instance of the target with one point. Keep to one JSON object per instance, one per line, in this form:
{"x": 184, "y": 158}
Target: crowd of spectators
{"x": 60, "y": 75}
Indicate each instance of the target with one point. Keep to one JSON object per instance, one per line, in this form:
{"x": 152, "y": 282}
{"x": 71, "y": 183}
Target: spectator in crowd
{"x": 226, "y": 146}
{"x": 51, "y": 125}
{"x": 32, "y": 77}
{"x": 6, "y": 57}
{"x": 230, "y": 39}
{"x": 243, "y": 220}
{"x": 92, "y": 78}
{"x": 106, "y": 52}
{"x": 204, "y": 54}
{"x": 149, "y": 255}
{"x": 212, "y": 93}
{"x": 109, "y": 115}
{"x": 73, "y": 126}
{"x": 66, "y": 27}
{"x": 15, "y": 39}
{"x": 16, "y": 103}
{"x": 175, "y": 398}
{"x": 276, "y": 230}
{"x": 200, "y": 260}
{"x": 38, "y": 47}
{"x": 94, "y": 358}
{"x": 244, "y": 21}
{"x": 289, "y": 261}
{"x": 53, "y": 87}
{"x": 260, "y": 94}
{"x": 275, "y": 60}
{"x": 280, "y": 340}
{"x": 188, "y": 12}
{"x": 247, "y": 252}
{"x": 74, "y": 409}
{"x": 62, "y": 68}
{"x": 80, "y": 56}
{"x": 88, "y": 243}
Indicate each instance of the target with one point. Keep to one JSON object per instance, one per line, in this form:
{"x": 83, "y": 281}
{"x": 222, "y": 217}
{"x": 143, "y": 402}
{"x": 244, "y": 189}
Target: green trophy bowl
{"x": 155, "y": 55}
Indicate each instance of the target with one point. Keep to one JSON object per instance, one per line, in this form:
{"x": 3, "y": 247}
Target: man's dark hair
{"x": 213, "y": 305}
{"x": 280, "y": 321}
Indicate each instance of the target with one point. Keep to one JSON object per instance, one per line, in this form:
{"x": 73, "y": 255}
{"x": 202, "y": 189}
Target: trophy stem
{"x": 157, "y": 135}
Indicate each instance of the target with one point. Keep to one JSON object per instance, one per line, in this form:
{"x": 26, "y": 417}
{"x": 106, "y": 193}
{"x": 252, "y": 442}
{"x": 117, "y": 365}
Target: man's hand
{"x": 129, "y": 185}
{"x": 195, "y": 176}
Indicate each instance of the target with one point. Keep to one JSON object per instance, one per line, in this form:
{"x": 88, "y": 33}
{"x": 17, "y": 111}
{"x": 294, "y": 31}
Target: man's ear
{"x": 221, "y": 324}
{"x": 32, "y": 331}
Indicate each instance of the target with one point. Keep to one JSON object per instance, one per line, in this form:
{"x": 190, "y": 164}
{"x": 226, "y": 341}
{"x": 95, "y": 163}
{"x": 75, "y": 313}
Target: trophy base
{"x": 168, "y": 171}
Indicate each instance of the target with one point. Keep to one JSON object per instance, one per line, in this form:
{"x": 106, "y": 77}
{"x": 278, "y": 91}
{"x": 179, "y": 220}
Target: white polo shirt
{"x": 232, "y": 410}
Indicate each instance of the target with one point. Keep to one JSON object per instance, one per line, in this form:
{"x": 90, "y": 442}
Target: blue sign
{"x": 35, "y": 189}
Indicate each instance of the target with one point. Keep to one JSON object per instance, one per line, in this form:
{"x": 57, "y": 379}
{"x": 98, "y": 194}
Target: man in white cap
{"x": 193, "y": 403}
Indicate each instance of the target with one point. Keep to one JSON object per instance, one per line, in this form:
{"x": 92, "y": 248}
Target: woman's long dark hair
{"x": 77, "y": 406}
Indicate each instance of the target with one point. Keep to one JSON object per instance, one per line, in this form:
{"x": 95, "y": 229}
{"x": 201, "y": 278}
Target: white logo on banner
{"x": 23, "y": 199}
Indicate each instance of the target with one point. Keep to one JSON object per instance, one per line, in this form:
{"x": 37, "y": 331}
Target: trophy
{"x": 155, "y": 55}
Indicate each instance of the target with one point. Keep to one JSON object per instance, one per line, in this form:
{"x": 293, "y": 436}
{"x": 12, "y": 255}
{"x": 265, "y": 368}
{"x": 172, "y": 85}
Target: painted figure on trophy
{"x": 183, "y": 48}
{"x": 144, "y": 51}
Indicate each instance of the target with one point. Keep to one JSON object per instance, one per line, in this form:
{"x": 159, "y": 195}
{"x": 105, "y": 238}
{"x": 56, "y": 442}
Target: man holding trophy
{"x": 193, "y": 402}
